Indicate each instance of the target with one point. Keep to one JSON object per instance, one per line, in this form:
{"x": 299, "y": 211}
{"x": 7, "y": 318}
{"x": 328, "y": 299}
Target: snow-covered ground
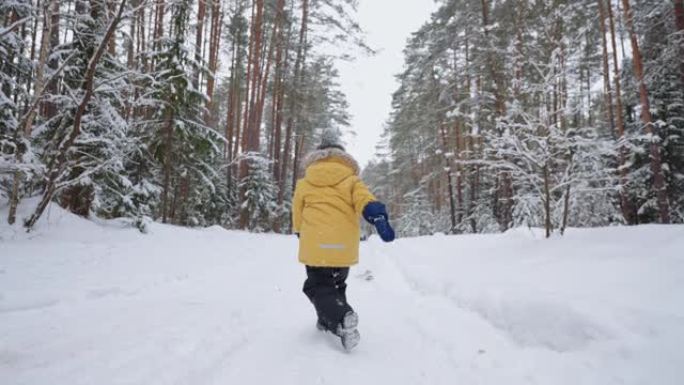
{"x": 97, "y": 303}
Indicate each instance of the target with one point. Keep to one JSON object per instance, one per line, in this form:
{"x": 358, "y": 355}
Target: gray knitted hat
{"x": 331, "y": 137}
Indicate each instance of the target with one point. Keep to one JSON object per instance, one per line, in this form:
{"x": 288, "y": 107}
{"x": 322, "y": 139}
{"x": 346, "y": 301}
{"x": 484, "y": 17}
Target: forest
{"x": 193, "y": 113}
{"x": 548, "y": 114}
{"x": 543, "y": 113}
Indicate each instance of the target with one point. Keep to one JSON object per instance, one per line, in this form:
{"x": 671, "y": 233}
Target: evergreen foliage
{"x": 498, "y": 120}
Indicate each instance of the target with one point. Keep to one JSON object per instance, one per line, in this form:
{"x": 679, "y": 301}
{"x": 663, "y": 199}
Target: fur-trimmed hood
{"x": 328, "y": 167}
{"x": 316, "y": 155}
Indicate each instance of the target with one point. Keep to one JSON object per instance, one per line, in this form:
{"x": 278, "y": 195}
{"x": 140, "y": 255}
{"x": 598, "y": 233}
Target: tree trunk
{"x": 448, "y": 166}
{"x": 201, "y": 13}
{"x": 254, "y": 130}
{"x": 230, "y": 111}
{"x": 277, "y": 103}
{"x": 49, "y": 108}
{"x": 679, "y": 20}
{"x": 299, "y": 62}
{"x": 459, "y": 171}
{"x": 215, "y": 40}
{"x": 111, "y": 47}
{"x": 519, "y": 51}
{"x": 656, "y": 166}
{"x": 144, "y": 36}
{"x": 34, "y": 39}
{"x": 233, "y": 97}
{"x": 608, "y": 95}
{"x": 280, "y": 10}
{"x": 248, "y": 89}
{"x": 144, "y": 62}
{"x": 492, "y": 65}
{"x": 547, "y": 201}
{"x": 470, "y": 143}
{"x": 566, "y": 200}
{"x": 276, "y": 115}
{"x": 168, "y": 154}
{"x": 158, "y": 27}
{"x": 234, "y": 111}
{"x": 626, "y": 204}
{"x": 250, "y": 135}
{"x": 130, "y": 58}
{"x": 566, "y": 209}
{"x": 174, "y": 201}
{"x": 590, "y": 119}
{"x": 250, "y": 138}
{"x": 505, "y": 190}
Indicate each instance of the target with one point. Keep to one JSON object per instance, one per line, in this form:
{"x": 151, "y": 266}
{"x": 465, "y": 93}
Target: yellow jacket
{"x": 327, "y": 207}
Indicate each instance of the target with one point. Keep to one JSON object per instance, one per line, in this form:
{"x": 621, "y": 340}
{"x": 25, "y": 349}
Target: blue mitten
{"x": 384, "y": 229}
{"x": 373, "y": 211}
{"x": 376, "y": 214}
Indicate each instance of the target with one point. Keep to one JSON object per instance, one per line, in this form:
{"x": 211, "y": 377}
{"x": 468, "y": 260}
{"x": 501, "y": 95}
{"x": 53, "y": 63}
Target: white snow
{"x": 85, "y": 302}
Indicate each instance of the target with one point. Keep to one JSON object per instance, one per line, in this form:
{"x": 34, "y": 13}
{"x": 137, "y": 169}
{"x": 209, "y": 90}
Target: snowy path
{"x": 95, "y": 304}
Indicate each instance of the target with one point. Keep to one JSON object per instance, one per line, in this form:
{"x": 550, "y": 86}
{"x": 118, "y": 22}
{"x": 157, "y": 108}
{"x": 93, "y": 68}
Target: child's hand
{"x": 384, "y": 229}
{"x": 373, "y": 211}
{"x": 376, "y": 214}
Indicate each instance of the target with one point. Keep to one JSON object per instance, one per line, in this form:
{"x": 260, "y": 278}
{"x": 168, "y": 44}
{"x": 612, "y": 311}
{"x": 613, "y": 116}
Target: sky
{"x": 369, "y": 82}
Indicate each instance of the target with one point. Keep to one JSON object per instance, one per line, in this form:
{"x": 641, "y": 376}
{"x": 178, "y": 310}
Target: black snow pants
{"x": 326, "y": 287}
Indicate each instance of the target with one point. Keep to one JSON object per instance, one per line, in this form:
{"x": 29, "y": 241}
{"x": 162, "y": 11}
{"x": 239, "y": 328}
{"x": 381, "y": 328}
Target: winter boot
{"x": 347, "y": 331}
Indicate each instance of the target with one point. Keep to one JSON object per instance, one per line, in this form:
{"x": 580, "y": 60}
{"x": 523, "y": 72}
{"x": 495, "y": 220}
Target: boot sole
{"x": 350, "y": 339}
{"x": 349, "y": 336}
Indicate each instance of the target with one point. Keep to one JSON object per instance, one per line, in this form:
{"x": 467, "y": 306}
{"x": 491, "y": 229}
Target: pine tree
{"x": 416, "y": 215}
{"x": 504, "y": 93}
{"x": 259, "y": 197}
{"x": 181, "y": 144}
{"x": 82, "y": 142}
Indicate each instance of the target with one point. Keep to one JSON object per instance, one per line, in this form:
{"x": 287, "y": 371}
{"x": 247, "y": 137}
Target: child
{"x": 325, "y": 215}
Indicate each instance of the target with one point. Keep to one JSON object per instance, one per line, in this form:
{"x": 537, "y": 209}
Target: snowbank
{"x": 85, "y": 302}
